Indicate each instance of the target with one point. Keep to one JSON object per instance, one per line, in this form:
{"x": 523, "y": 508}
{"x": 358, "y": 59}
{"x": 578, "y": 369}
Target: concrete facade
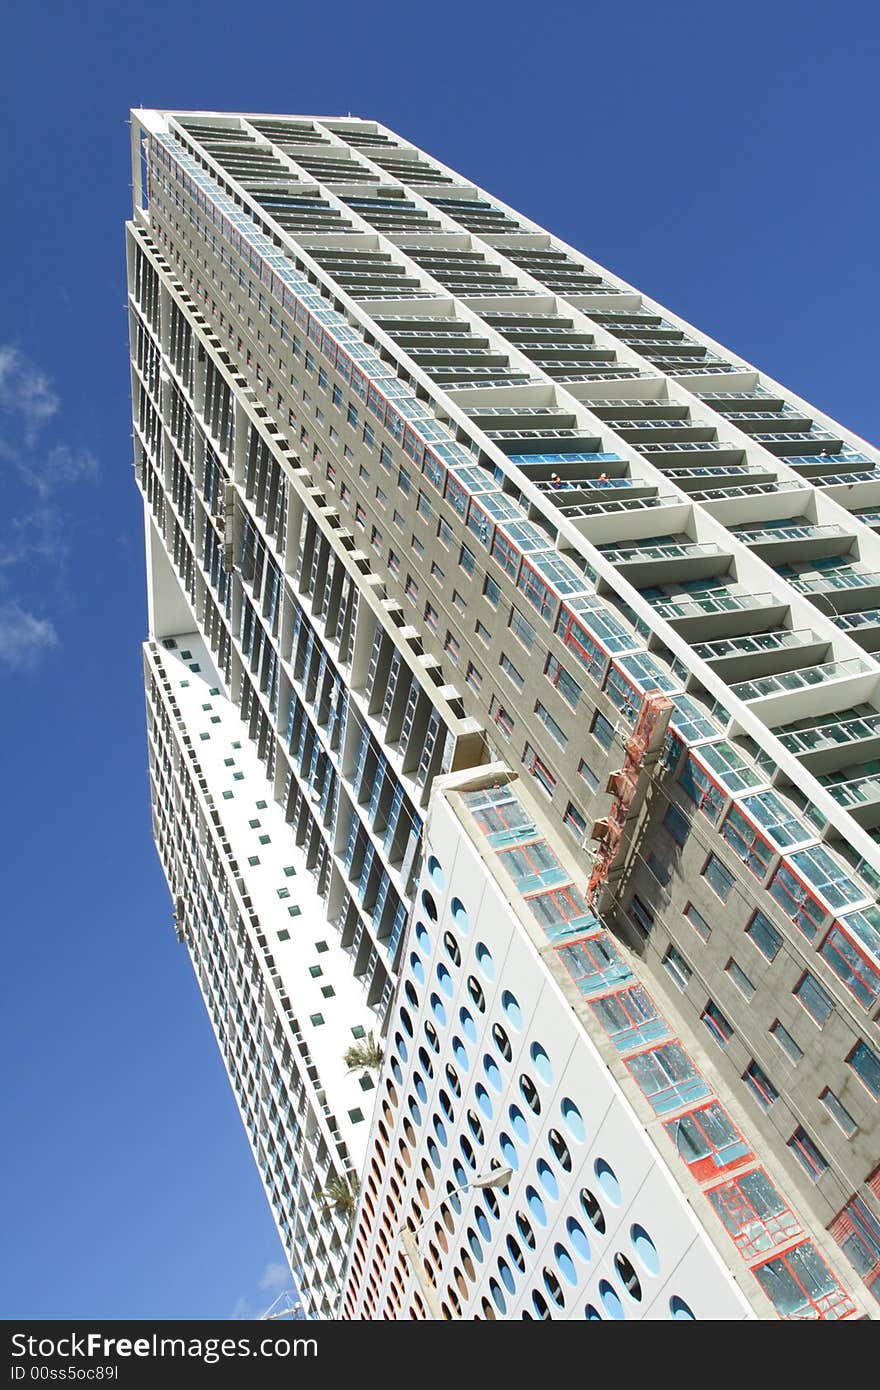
{"x": 436, "y": 489}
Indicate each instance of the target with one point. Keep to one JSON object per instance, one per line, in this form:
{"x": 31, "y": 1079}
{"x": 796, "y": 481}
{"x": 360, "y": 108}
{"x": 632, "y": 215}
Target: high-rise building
{"x": 514, "y": 712}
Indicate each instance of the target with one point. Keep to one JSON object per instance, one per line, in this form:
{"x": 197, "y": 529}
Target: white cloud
{"x": 275, "y": 1276}
{"x": 59, "y": 465}
{"x": 23, "y": 638}
{"x": 35, "y": 524}
{"x": 26, "y": 391}
{"x": 242, "y": 1312}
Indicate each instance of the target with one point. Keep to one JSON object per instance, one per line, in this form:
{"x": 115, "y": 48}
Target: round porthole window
{"x": 476, "y": 992}
{"x": 607, "y": 1180}
{"x": 593, "y": 1211}
{"x": 611, "y": 1301}
{"x": 580, "y": 1243}
{"x": 680, "y": 1310}
{"x": 482, "y": 1098}
{"x": 512, "y": 1009}
{"x": 429, "y": 905}
{"x": 646, "y": 1250}
{"x": 628, "y": 1277}
{"x": 459, "y": 915}
{"x": 484, "y": 960}
{"x": 530, "y": 1093}
{"x": 435, "y": 873}
{"x": 518, "y": 1123}
{"x": 501, "y": 1041}
{"x": 574, "y": 1121}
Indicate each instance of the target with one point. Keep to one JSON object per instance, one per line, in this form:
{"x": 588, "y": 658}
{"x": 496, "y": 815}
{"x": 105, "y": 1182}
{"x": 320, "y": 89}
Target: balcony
{"x": 756, "y": 655}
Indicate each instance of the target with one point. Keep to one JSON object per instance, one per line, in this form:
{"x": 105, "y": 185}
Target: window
{"x": 385, "y": 456}
{"x": 492, "y": 591}
{"x": 575, "y": 821}
{"x": 522, "y": 630}
{"x": 467, "y": 560}
{"x": 539, "y": 769}
{"x": 511, "y": 672}
{"x": 352, "y": 416}
{"x": 431, "y": 616}
{"x": 866, "y": 1066}
{"x": 718, "y": 877}
{"x": 698, "y": 922}
{"x": 315, "y": 971}
{"x": 283, "y": 892}
{"x": 423, "y": 507}
{"x": 716, "y": 1023}
{"x": 416, "y": 544}
{"x": 398, "y": 519}
{"x": 838, "y": 1112}
{"x": 381, "y": 497}
{"x": 375, "y": 538}
{"x": 676, "y": 965}
{"x": 293, "y": 910}
{"x": 602, "y": 729}
{"x": 394, "y": 562}
{"x": 328, "y": 991}
{"x": 589, "y": 776}
{"x": 760, "y": 1085}
{"x": 501, "y": 717}
{"x": 861, "y": 978}
{"x": 284, "y": 934}
{"x": 472, "y": 677}
{"x": 437, "y": 572}
{"x": 411, "y": 588}
{"x": 444, "y": 532}
{"x": 740, "y": 978}
{"x": 677, "y": 823}
{"x": 565, "y": 684}
{"x": 550, "y": 724}
{"x": 814, "y": 999}
{"x": 806, "y": 1153}
{"x": 459, "y": 601}
{"x": 336, "y": 397}
{"x": 452, "y": 648}
{"x": 360, "y": 515}
{"x": 641, "y": 915}
{"x": 781, "y": 1035}
{"x": 316, "y": 1020}
{"x": 764, "y": 936}
{"x": 369, "y": 435}
{"x": 404, "y": 482}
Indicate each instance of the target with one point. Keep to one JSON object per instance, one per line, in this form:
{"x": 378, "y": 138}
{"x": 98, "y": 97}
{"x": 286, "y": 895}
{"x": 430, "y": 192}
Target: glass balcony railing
{"x": 752, "y": 645}
{"x": 799, "y": 680}
{"x": 868, "y": 617}
{"x": 831, "y": 735}
{"x": 714, "y": 494}
{"x": 760, "y": 534}
{"x": 840, "y": 579}
{"x": 858, "y": 792}
{"x": 689, "y": 607}
{"x": 636, "y": 554}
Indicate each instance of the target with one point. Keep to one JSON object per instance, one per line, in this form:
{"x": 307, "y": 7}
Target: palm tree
{"x": 340, "y": 1195}
{"x": 363, "y": 1056}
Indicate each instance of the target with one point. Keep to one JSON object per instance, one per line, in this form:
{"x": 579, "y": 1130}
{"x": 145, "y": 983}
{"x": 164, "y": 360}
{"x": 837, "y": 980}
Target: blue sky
{"x": 722, "y": 158}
